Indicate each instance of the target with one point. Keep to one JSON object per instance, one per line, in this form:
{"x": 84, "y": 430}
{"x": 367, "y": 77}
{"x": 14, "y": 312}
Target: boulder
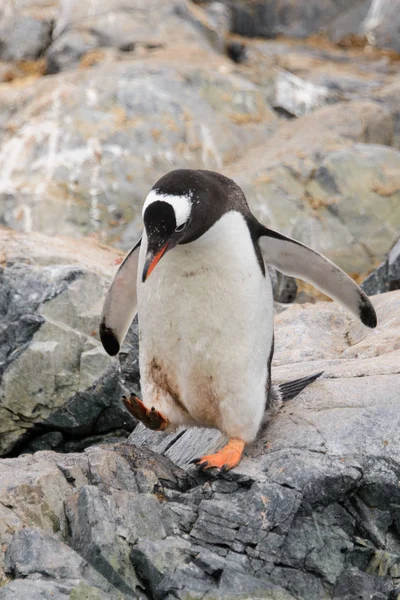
{"x": 56, "y": 381}
{"x": 23, "y": 38}
{"x": 375, "y": 21}
{"x": 378, "y": 21}
{"x": 81, "y": 150}
{"x": 320, "y": 178}
{"x": 311, "y": 512}
{"x": 134, "y": 27}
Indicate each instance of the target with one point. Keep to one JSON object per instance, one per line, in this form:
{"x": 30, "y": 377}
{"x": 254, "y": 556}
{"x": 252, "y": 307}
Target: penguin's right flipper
{"x": 291, "y": 389}
{"x": 120, "y": 305}
{"x": 298, "y": 260}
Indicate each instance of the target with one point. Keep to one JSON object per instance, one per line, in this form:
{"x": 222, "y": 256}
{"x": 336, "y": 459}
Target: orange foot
{"x": 152, "y": 418}
{"x": 228, "y": 457}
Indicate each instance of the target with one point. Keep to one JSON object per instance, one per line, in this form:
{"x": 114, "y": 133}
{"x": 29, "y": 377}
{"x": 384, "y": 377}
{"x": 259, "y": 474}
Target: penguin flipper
{"x": 298, "y": 260}
{"x": 120, "y": 305}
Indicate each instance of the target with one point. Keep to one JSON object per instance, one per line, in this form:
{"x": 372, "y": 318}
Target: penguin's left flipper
{"x": 298, "y": 260}
{"x": 152, "y": 418}
{"x": 225, "y": 459}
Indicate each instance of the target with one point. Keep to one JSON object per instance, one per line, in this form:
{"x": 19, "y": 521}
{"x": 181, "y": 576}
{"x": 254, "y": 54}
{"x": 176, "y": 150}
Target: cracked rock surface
{"x": 56, "y": 382}
{"x": 311, "y": 512}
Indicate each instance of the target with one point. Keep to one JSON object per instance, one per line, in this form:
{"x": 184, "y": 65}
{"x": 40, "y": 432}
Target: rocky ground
{"x": 97, "y": 100}
{"x": 117, "y": 93}
{"x": 310, "y": 513}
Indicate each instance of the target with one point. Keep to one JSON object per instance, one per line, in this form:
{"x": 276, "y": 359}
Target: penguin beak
{"x": 152, "y": 259}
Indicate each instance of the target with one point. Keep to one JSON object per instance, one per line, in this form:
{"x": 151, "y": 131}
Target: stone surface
{"x": 325, "y": 180}
{"x": 70, "y": 150}
{"x": 311, "y": 512}
{"x": 386, "y": 276}
{"x": 375, "y": 21}
{"x": 378, "y": 21}
{"x": 23, "y": 38}
{"x": 79, "y": 156}
{"x": 56, "y": 380}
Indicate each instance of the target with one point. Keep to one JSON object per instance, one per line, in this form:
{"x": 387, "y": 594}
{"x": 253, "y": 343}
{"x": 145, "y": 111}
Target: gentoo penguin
{"x": 198, "y": 280}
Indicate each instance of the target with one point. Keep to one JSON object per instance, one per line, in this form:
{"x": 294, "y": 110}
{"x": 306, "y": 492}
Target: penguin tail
{"x": 291, "y": 389}
{"x": 278, "y": 394}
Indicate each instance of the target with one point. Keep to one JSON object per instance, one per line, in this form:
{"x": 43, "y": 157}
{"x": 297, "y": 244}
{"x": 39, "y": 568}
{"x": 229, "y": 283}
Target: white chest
{"x": 206, "y": 314}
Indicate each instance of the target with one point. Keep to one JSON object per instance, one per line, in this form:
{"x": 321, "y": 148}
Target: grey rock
{"x": 67, "y": 50}
{"x": 23, "y": 38}
{"x": 315, "y": 188}
{"x": 394, "y": 267}
{"x": 310, "y": 513}
{"x": 55, "y": 379}
{"x": 288, "y": 17}
{"x": 152, "y": 560}
{"x": 298, "y": 97}
{"x": 284, "y": 287}
{"x": 85, "y": 172}
{"x": 386, "y": 276}
{"x": 382, "y": 24}
{"x": 80, "y": 28}
{"x": 354, "y": 584}
{"x": 34, "y": 552}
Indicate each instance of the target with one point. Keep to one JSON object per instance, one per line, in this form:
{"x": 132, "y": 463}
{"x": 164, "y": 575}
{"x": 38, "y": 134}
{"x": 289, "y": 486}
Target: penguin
{"x": 198, "y": 279}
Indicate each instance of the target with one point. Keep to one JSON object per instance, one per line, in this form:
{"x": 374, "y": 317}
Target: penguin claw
{"x": 225, "y": 459}
{"x": 152, "y": 418}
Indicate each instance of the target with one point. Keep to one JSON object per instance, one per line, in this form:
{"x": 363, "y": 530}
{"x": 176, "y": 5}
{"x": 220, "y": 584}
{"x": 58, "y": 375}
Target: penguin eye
{"x": 182, "y": 227}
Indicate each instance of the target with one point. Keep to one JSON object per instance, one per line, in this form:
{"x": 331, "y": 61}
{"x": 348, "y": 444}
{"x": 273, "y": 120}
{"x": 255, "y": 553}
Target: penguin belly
{"x": 206, "y": 329}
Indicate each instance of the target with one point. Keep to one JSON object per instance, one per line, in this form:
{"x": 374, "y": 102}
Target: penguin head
{"x": 182, "y": 206}
{"x": 166, "y": 218}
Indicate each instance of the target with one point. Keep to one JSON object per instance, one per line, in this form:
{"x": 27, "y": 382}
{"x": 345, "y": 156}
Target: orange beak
{"x": 152, "y": 261}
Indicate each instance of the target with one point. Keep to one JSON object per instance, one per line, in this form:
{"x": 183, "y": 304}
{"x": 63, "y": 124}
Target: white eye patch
{"x": 180, "y": 204}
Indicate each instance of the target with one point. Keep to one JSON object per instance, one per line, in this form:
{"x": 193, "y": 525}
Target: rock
{"x": 284, "y": 17}
{"x": 284, "y": 287}
{"x": 320, "y": 177}
{"x": 298, "y": 97}
{"x": 388, "y": 94}
{"x": 67, "y": 51}
{"x": 71, "y": 164}
{"x": 355, "y": 584}
{"x": 56, "y": 380}
{"x": 374, "y": 21}
{"x": 382, "y": 23}
{"x": 386, "y": 277}
{"x": 23, "y": 38}
{"x": 133, "y": 26}
{"x": 311, "y": 512}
